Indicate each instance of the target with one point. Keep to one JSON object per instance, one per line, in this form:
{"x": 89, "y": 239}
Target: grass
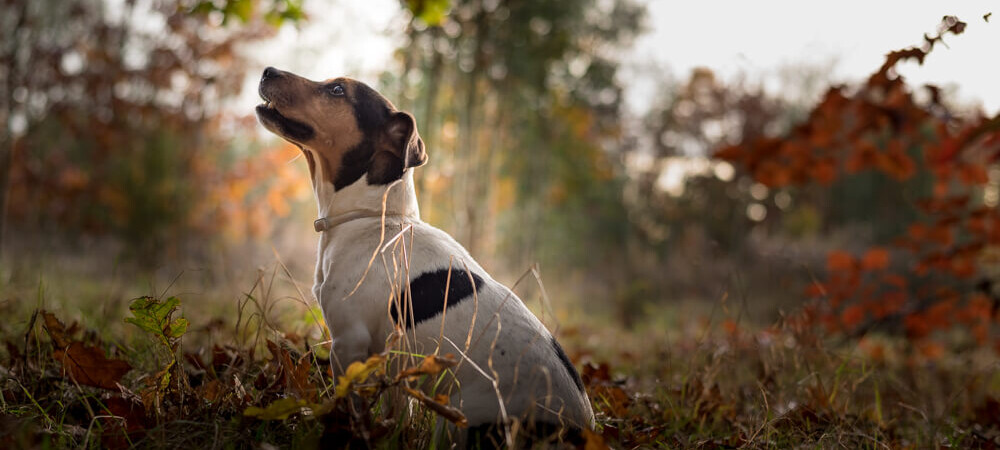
{"x": 682, "y": 378}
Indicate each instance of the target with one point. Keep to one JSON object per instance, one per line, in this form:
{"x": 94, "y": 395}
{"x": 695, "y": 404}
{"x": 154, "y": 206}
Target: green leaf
{"x": 178, "y": 328}
{"x": 203, "y": 8}
{"x": 242, "y": 9}
{"x": 432, "y": 12}
{"x": 154, "y": 317}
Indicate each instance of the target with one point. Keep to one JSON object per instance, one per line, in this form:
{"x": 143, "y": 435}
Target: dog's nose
{"x": 270, "y": 72}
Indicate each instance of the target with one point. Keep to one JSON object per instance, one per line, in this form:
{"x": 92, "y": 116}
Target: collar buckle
{"x": 321, "y": 224}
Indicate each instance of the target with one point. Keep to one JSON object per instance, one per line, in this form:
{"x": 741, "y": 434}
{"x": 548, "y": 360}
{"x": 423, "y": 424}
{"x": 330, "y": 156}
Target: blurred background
{"x": 583, "y": 136}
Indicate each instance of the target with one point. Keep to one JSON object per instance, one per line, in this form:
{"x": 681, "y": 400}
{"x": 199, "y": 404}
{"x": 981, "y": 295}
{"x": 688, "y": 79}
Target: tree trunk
{"x": 473, "y": 204}
{"x": 6, "y": 154}
{"x": 9, "y": 60}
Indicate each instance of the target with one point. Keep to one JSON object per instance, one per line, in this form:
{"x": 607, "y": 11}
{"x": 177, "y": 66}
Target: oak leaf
{"x": 89, "y": 366}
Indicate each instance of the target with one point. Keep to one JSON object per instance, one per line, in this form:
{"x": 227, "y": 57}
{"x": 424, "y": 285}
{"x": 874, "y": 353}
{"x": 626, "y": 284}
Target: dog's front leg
{"x": 350, "y": 343}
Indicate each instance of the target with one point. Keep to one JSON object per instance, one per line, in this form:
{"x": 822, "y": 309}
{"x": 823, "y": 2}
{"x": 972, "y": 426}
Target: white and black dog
{"x": 360, "y": 150}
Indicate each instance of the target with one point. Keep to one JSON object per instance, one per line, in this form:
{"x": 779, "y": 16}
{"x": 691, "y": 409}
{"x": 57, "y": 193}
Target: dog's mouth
{"x": 288, "y": 128}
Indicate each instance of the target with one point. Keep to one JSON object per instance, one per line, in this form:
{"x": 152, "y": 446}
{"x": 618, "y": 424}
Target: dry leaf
{"x": 89, "y": 366}
{"x": 448, "y": 412}
{"x": 431, "y": 365}
{"x": 55, "y": 329}
{"x": 593, "y": 441}
{"x": 357, "y": 372}
{"x": 277, "y": 410}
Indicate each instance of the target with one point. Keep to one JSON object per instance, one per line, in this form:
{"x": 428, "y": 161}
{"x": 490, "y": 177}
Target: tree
{"x": 110, "y": 107}
{"x": 935, "y": 273}
{"x": 518, "y": 100}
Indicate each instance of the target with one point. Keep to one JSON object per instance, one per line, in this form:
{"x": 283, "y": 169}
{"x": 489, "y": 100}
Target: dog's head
{"x": 341, "y": 124}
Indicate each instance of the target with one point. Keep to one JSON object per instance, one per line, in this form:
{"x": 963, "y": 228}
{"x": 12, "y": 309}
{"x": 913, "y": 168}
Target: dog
{"x": 361, "y": 153}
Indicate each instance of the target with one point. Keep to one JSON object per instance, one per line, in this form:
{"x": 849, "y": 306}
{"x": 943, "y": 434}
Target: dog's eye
{"x": 336, "y": 89}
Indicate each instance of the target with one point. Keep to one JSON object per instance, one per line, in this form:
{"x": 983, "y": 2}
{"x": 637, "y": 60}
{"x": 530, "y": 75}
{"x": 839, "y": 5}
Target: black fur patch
{"x": 291, "y": 129}
{"x": 372, "y": 112}
{"x": 385, "y": 169}
{"x": 354, "y": 164}
{"x": 568, "y": 365}
{"x": 428, "y": 291}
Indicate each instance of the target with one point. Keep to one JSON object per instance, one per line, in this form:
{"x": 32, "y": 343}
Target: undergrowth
{"x": 154, "y": 380}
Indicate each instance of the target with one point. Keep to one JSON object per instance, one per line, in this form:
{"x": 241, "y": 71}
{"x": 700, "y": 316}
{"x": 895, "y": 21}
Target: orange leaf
{"x": 815, "y": 290}
{"x": 931, "y": 350}
{"x": 875, "y": 259}
{"x": 972, "y": 174}
{"x": 917, "y": 231}
{"x": 963, "y": 267}
{"x": 839, "y": 260}
{"x": 916, "y": 326}
{"x": 593, "y": 441}
{"x": 730, "y": 326}
{"x": 431, "y": 365}
{"x": 852, "y": 316}
{"x": 824, "y": 171}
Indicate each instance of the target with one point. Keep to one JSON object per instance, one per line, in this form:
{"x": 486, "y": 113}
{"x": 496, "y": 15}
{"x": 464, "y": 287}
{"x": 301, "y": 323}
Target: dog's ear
{"x": 401, "y": 148}
{"x": 403, "y": 136}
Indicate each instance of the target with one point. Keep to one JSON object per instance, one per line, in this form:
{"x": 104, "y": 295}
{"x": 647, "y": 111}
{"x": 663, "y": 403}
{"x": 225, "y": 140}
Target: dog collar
{"x": 326, "y": 223}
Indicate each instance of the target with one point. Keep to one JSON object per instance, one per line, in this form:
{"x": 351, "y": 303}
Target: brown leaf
{"x": 123, "y": 422}
{"x": 593, "y": 441}
{"x": 55, "y": 329}
{"x": 211, "y": 391}
{"x": 89, "y": 366}
{"x": 295, "y": 376}
{"x": 596, "y": 374}
{"x": 431, "y": 365}
{"x": 448, "y": 412}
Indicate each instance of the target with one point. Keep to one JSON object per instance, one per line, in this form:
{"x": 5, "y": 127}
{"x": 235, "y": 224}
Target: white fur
{"x": 531, "y": 379}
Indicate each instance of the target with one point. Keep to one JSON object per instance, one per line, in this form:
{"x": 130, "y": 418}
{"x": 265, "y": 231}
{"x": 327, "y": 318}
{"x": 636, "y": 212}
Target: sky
{"x": 842, "y": 41}
{"x": 849, "y": 37}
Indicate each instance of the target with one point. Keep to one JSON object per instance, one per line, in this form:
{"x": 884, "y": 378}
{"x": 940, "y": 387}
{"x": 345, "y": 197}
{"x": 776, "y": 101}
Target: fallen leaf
{"x": 294, "y": 375}
{"x": 277, "y": 410}
{"x": 431, "y": 365}
{"x": 89, "y": 366}
{"x": 593, "y": 441}
{"x": 448, "y": 412}
{"x": 55, "y": 329}
{"x": 356, "y": 372}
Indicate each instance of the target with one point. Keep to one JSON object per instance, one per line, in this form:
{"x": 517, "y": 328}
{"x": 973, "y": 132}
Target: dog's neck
{"x": 361, "y": 197}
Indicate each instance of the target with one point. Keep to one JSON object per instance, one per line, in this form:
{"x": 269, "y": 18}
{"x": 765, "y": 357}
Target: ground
{"x": 196, "y": 367}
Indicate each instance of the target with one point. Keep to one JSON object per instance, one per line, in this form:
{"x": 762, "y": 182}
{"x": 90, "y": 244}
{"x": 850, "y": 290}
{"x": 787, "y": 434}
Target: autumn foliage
{"x": 937, "y": 274}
